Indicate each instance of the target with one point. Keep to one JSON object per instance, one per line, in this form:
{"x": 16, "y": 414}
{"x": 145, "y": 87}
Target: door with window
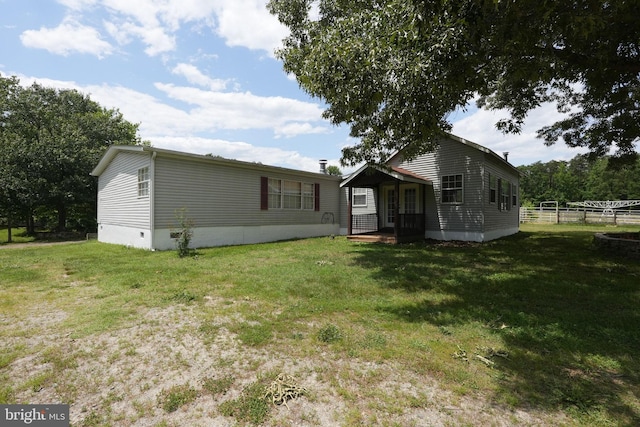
{"x": 390, "y": 207}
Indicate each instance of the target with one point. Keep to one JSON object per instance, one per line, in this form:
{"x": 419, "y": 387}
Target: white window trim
{"x": 303, "y": 195}
{"x": 442, "y": 189}
{"x": 143, "y": 183}
{"x": 364, "y": 193}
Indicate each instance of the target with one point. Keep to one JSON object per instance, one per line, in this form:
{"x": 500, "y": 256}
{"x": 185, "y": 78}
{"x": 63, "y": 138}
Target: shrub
{"x": 329, "y": 333}
{"x": 185, "y": 233}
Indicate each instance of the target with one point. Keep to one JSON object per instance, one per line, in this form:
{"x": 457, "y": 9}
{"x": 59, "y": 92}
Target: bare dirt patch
{"x": 116, "y": 378}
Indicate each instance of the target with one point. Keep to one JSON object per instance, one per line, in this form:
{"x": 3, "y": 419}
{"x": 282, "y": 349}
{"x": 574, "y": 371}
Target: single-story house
{"x": 462, "y": 191}
{"x": 142, "y": 189}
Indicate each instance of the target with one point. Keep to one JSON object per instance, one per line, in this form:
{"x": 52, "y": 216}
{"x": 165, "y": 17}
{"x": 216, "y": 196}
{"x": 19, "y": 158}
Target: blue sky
{"x": 200, "y": 76}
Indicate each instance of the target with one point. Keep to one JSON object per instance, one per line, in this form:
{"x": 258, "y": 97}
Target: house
{"x": 229, "y": 202}
{"x": 461, "y": 191}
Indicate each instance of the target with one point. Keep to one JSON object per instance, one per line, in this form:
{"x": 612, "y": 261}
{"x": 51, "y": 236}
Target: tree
{"x": 393, "y": 70}
{"x": 603, "y": 183}
{"x": 578, "y": 180}
{"x": 50, "y": 140}
{"x": 334, "y": 170}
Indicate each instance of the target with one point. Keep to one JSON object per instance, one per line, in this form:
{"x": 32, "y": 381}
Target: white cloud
{"x": 209, "y": 112}
{"x": 241, "y": 110}
{"x": 195, "y": 76}
{"x": 68, "y": 37}
{"x": 245, "y": 23}
{"x": 293, "y": 129}
{"x": 172, "y": 128}
{"x": 248, "y": 23}
{"x": 524, "y": 148}
{"x": 153, "y": 36}
{"x": 77, "y": 4}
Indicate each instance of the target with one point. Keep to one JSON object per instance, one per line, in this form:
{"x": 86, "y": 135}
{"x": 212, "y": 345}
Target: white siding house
{"x": 461, "y": 191}
{"x": 140, "y": 190}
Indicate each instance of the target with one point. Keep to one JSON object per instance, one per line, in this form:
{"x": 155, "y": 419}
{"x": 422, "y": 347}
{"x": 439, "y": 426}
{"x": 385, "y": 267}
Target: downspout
{"x": 152, "y": 216}
{"x": 396, "y": 207}
{"x": 349, "y": 211}
{"x": 424, "y": 210}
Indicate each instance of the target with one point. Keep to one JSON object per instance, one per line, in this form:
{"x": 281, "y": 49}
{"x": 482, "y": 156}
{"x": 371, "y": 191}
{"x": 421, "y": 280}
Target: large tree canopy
{"x": 393, "y": 70}
{"x": 50, "y": 140}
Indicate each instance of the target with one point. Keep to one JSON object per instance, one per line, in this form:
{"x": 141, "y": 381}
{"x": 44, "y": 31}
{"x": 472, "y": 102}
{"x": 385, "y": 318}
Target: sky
{"x": 201, "y": 76}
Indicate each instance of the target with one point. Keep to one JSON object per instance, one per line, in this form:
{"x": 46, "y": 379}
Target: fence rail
{"x": 579, "y": 215}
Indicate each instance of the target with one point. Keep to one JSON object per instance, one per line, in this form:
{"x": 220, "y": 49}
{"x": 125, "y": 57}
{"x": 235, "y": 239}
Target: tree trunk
{"x": 31, "y": 226}
{"x": 9, "y": 238}
{"x": 62, "y": 217}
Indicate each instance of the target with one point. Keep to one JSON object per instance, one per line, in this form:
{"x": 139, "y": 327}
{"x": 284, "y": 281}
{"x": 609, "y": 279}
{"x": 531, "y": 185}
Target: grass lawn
{"x": 18, "y": 235}
{"x": 534, "y": 329}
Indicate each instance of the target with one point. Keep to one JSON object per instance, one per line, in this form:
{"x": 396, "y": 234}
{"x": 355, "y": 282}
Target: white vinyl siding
{"x": 118, "y": 192}
{"x": 450, "y": 159}
{"x": 210, "y": 191}
{"x": 495, "y": 214}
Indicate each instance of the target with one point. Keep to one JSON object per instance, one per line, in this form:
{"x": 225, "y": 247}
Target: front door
{"x": 390, "y": 207}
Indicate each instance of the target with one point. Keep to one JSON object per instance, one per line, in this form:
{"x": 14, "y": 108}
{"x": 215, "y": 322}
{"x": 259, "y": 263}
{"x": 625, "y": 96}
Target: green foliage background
{"x": 50, "y": 140}
{"x": 577, "y": 180}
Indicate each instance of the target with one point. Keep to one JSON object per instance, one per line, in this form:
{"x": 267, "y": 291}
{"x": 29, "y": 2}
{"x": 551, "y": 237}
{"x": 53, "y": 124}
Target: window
{"x": 308, "y": 196}
{"x": 283, "y": 194}
{"x": 451, "y": 189}
{"x": 410, "y": 201}
{"x": 359, "y": 197}
{"x": 505, "y": 195}
{"x": 143, "y": 182}
{"x": 292, "y": 195}
{"x": 492, "y": 188}
{"x": 275, "y": 194}
{"x": 514, "y": 196}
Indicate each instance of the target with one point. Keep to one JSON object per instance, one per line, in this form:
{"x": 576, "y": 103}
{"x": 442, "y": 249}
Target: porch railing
{"x": 365, "y": 223}
{"x": 410, "y": 224}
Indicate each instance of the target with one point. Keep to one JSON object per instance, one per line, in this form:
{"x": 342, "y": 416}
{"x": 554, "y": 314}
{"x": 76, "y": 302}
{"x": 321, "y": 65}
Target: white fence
{"x": 579, "y": 215}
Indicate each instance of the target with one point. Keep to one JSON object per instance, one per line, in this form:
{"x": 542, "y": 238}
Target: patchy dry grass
{"x": 535, "y": 329}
